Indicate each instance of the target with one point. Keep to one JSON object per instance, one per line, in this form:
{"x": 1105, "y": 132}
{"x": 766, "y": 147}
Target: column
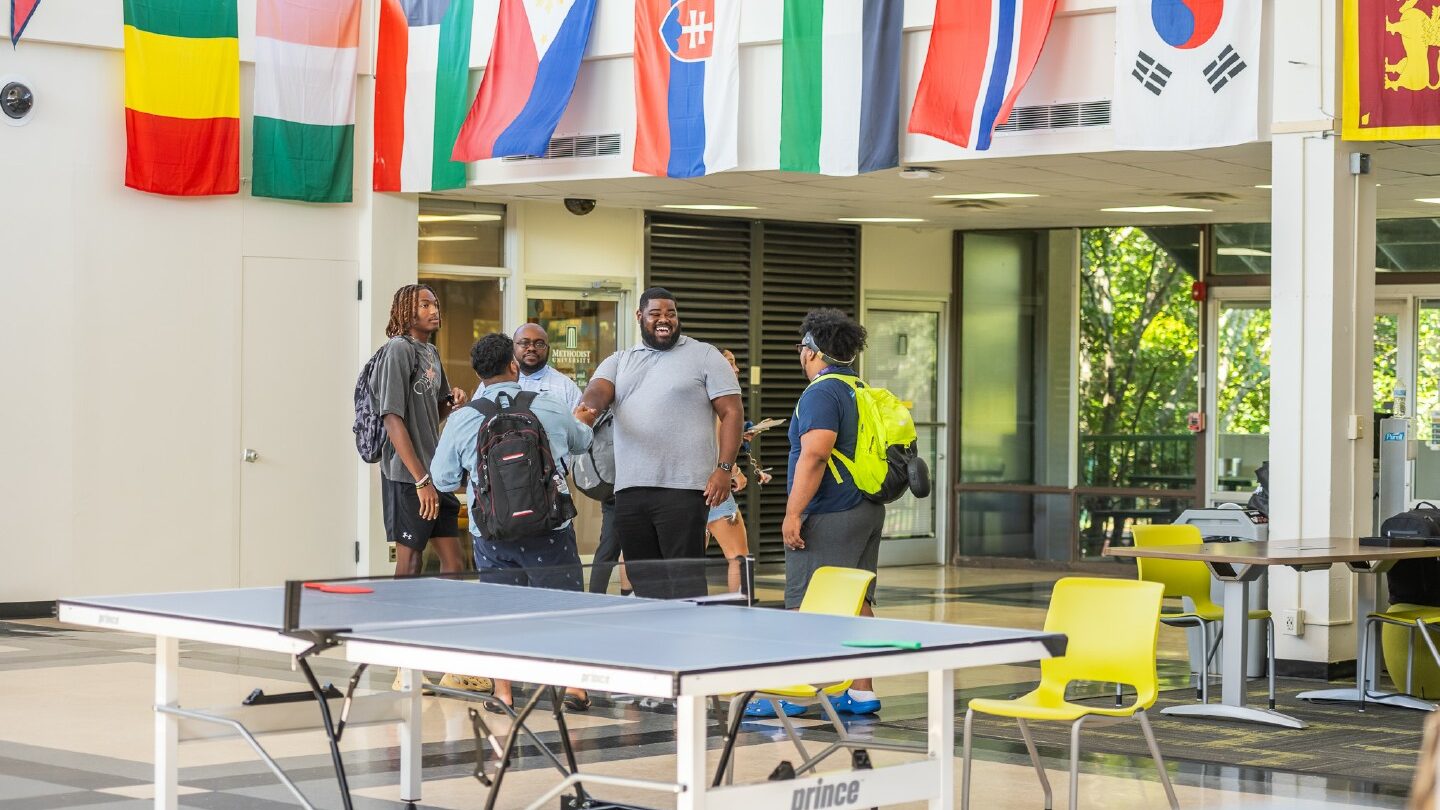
{"x": 1322, "y": 352}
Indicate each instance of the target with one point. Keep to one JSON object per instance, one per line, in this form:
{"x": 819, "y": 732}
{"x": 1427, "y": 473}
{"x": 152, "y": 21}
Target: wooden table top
{"x": 1280, "y": 552}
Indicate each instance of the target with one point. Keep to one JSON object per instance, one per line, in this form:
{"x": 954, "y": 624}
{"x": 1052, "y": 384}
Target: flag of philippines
{"x": 687, "y": 86}
{"x": 528, "y": 80}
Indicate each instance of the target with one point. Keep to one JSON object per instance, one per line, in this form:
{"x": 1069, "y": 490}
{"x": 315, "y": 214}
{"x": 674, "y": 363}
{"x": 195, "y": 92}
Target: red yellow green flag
{"x": 1391, "y": 88}
{"x": 182, "y": 96}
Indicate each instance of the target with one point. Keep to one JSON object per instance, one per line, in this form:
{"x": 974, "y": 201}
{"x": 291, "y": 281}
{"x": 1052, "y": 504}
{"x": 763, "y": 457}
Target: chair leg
{"x": 1410, "y": 660}
{"x": 1035, "y": 760}
{"x": 737, "y": 705}
{"x": 1209, "y": 655}
{"x": 1362, "y": 666}
{"x": 790, "y": 730}
{"x": 1119, "y": 695}
{"x": 1270, "y": 658}
{"x": 1075, "y": 763}
{"x": 1425, "y": 636}
{"x": 1159, "y": 760}
{"x": 965, "y": 762}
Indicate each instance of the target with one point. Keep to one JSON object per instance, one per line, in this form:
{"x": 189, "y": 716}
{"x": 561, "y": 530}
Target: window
{"x": 1242, "y": 405}
{"x": 454, "y": 237}
{"x": 461, "y": 233}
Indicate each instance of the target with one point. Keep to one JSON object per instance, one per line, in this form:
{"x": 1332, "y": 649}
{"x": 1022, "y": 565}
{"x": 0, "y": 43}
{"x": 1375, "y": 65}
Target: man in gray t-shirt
{"x": 667, "y": 393}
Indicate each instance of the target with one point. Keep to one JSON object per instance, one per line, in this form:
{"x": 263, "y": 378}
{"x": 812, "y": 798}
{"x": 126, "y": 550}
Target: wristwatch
{"x": 727, "y": 466}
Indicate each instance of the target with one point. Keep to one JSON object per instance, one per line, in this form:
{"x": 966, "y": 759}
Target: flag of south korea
{"x": 1187, "y": 73}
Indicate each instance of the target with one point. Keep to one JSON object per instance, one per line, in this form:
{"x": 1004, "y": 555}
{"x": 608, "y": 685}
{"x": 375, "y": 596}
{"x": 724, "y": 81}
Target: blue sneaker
{"x": 762, "y": 708}
{"x": 845, "y": 704}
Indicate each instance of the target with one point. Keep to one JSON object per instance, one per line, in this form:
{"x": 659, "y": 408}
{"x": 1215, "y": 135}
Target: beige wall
{"x": 905, "y": 260}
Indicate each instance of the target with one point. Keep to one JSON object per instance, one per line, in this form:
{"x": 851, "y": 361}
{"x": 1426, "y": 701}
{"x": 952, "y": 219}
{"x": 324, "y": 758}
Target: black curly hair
{"x": 491, "y": 355}
{"x": 837, "y": 334}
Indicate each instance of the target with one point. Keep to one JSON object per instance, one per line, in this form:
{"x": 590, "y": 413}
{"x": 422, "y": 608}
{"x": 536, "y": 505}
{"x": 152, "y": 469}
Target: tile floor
{"x": 76, "y": 725}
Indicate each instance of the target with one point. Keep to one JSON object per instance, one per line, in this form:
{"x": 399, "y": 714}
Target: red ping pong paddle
{"x": 328, "y": 587}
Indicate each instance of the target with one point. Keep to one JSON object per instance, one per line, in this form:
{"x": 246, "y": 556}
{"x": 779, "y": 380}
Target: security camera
{"x": 16, "y": 100}
{"x": 578, "y": 206}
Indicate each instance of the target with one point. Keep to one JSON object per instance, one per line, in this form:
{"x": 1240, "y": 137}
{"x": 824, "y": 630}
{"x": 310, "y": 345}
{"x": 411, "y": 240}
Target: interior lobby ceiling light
{"x": 448, "y": 238}
{"x": 711, "y": 207}
{"x": 459, "y": 218}
{"x": 1241, "y": 251}
{"x": 920, "y": 173}
{"x": 882, "y": 220}
{"x": 984, "y": 195}
{"x": 1156, "y": 209}
{"x": 1265, "y": 186}
{"x": 1431, "y": 200}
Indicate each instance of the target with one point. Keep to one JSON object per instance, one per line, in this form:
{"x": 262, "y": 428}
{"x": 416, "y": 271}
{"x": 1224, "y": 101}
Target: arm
{"x": 447, "y": 468}
{"x": 400, "y": 440}
{"x": 599, "y": 395}
{"x": 815, "y": 447}
{"x": 457, "y": 396}
{"x": 732, "y": 422}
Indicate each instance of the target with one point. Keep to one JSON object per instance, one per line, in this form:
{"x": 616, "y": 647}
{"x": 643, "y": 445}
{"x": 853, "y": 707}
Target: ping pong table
{"x": 685, "y": 651}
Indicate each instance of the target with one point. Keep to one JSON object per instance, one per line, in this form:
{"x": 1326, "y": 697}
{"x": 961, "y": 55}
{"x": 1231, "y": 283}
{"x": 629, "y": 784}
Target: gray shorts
{"x": 849, "y": 539}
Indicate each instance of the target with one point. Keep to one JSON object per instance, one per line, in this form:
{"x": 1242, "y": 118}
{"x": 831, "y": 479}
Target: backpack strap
{"x": 487, "y": 407}
{"x": 855, "y": 385}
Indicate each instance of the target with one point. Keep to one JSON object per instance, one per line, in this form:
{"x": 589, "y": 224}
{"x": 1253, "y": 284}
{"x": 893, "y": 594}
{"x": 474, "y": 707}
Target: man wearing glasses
{"x": 532, "y": 354}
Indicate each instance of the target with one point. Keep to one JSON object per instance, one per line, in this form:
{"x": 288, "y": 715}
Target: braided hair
{"x": 403, "y": 308}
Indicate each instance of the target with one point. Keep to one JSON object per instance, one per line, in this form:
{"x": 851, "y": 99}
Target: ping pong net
{"x": 323, "y": 610}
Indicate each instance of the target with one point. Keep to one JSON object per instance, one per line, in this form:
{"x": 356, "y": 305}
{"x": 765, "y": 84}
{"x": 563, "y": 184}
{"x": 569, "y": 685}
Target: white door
{"x": 905, "y": 352}
{"x": 297, "y": 490}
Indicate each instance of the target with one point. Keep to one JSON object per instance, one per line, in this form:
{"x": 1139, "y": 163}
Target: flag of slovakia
{"x": 687, "y": 86}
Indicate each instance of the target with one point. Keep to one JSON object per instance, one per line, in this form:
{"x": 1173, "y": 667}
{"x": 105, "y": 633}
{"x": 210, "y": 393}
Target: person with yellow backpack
{"x": 851, "y": 451}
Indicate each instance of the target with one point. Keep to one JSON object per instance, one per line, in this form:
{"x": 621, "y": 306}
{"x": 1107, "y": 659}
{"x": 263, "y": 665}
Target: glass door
{"x": 905, "y": 353}
{"x": 584, "y": 327}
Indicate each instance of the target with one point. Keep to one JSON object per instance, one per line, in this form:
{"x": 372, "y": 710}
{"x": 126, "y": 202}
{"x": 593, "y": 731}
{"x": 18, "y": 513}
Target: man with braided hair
{"x": 413, "y": 397}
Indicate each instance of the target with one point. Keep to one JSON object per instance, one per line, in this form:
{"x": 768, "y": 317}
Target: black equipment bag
{"x": 516, "y": 493}
{"x": 1415, "y": 582}
{"x": 907, "y": 472}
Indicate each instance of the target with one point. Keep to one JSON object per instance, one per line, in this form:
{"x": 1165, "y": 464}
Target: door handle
{"x": 250, "y": 456}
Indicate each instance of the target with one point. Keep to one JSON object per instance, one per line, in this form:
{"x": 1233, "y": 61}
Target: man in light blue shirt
{"x": 549, "y": 560}
{"x": 532, "y": 355}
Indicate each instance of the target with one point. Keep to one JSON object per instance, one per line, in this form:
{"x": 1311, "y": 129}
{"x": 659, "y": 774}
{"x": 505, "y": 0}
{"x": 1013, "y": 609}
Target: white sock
{"x": 861, "y": 697}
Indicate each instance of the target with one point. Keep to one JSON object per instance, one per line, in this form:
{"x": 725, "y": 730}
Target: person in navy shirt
{"x": 828, "y": 520}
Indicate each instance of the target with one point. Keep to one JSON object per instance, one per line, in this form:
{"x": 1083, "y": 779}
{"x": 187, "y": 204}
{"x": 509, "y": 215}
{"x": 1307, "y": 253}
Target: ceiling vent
{"x": 1205, "y": 196}
{"x": 1058, "y": 116}
{"x": 576, "y": 146}
{"x": 972, "y": 205}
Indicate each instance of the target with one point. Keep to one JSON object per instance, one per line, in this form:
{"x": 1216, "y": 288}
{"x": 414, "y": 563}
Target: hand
{"x": 717, "y": 489}
{"x": 586, "y": 414}
{"x": 458, "y": 397}
{"x": 738, "y": 481}
{"x": 762, "y": 477}
{"x": 748, "y": 435}
{"x": 429, "y": 502}
{"x": 790, "y": 532}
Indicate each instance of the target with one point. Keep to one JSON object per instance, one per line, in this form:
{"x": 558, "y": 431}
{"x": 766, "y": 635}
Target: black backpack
{"x": 369, "y": 426}
{"x": 1416, "y": 582}
{"x": 907, "y": 472}
{"x": 516, "y": 492}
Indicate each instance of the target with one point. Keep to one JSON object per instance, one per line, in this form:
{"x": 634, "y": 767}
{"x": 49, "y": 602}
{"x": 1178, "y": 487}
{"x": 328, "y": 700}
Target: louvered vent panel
{"x": 577, "y": 146}
{"x": 1057, "y": 116}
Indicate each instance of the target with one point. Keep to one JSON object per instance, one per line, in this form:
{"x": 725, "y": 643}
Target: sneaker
{"x": 467, "y": 683}
{"x": 845, "y": 704}
{"x": 762, "y": 708}
{"x": 424, "y": 684}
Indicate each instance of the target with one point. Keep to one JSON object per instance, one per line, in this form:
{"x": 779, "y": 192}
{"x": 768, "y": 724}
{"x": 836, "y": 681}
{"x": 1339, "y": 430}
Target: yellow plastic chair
{"x": 1111, "y": 626}
{"x": 832, "y": 591}
{"x": 1190, "y": 579}
{"x": 1411, "y": 618}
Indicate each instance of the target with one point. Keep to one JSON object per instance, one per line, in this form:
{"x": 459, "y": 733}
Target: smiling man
{"x": 670, "y": 467}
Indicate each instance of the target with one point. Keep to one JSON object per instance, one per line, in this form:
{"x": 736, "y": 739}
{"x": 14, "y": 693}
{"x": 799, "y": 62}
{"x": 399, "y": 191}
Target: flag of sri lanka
{"x": 182, "y": 96}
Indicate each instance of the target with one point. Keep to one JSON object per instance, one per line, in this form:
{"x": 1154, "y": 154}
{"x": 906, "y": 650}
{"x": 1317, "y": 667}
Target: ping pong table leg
{"x": 410, "y": 741}
{"x": 167, "y": 727}
{"x": 941, "y": 739}
{"x": 690, "y": 717}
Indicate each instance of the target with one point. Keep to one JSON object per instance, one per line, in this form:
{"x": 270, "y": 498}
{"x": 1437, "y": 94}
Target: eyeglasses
{"x": 526, "y": 343}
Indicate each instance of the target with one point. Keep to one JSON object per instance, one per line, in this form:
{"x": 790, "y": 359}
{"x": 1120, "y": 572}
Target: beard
{"x": 527, "y": 369}
{"x": 648, "y": 335}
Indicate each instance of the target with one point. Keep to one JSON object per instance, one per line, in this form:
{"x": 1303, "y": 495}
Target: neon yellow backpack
{"x": 884, "y": 442}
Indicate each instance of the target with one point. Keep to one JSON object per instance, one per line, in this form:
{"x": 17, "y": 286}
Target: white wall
{"x": 906, "y": 260}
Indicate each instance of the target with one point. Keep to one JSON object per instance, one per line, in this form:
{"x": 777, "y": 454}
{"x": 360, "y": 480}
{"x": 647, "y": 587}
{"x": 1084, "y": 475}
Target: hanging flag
{"x": 20, "y": 13}
{"x": 1391, "y": 90}
{"x": 528, "y": 80}
{"x": 182, "y": 96}
{"x": 687, "y": 86}
{"x": 981, "y": 54}
{"x": 1187, "y": 73}
{"x": 422, "y": 77}
{"x": 840, "y": 86}
{"x": 304, "y": 127}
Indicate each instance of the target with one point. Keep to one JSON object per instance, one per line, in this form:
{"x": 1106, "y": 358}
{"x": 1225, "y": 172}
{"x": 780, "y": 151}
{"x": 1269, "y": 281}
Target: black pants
{"x": 608, "y": 552}
{"x": 658, "y": 529}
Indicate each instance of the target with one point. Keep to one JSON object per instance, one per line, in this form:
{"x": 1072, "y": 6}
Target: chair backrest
{"x": 1180, "y": 577}
{"x": 836, "y": 591}
{"x": 1111, "y": 626}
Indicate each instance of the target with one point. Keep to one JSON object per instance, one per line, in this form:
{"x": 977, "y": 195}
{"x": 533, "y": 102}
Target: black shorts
{"x": 401, "y": 504}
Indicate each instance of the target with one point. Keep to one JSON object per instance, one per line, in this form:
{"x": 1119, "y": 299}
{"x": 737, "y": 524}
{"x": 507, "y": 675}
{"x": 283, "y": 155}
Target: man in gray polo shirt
{"x": 667, "y": 393}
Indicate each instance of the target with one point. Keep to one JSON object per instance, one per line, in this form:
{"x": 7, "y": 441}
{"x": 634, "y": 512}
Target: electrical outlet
{"x": 392, "y": 551}
{"x": 1292, "y": 622}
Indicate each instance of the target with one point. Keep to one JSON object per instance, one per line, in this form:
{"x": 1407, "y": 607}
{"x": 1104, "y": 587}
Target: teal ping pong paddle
{"x": 899, "y": 645}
